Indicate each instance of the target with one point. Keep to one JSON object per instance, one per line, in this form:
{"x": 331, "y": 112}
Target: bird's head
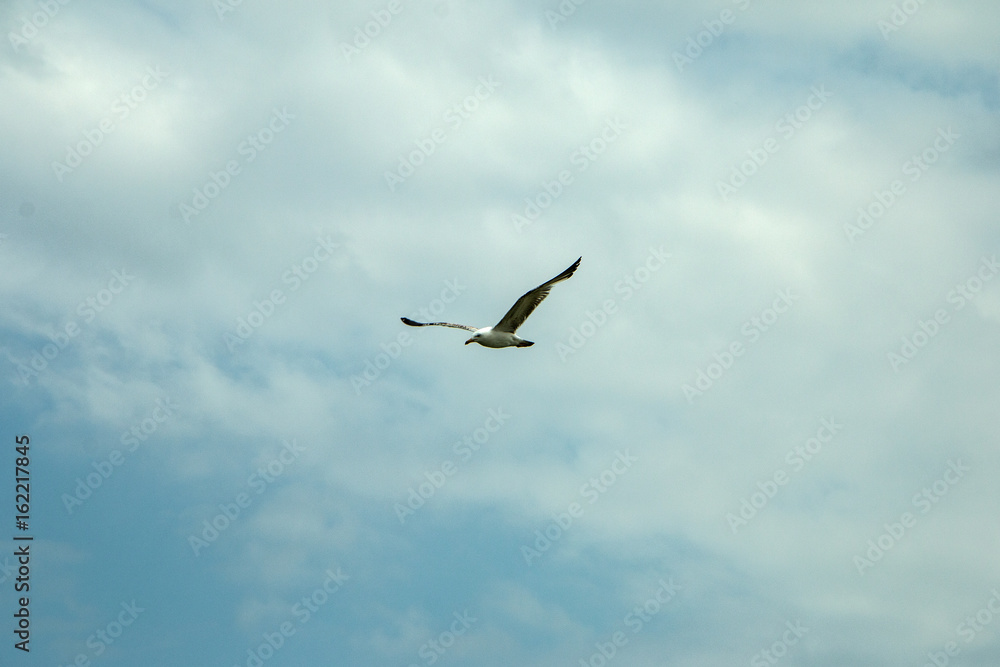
{"x": 477, "y": 337}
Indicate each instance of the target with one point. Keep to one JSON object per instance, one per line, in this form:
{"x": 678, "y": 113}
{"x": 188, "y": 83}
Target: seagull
{"x": 502, "y": 335}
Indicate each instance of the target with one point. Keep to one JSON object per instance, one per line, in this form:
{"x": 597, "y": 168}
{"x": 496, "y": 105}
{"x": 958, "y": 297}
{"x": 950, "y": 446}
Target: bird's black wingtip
{"x": 407, "y": 320}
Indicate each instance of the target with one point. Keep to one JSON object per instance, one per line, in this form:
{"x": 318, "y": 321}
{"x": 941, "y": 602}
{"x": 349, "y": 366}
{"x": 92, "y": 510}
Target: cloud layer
{"x": 756, "y": 425}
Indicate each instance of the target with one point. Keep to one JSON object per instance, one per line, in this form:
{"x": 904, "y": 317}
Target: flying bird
{"x": 502, "y": 335}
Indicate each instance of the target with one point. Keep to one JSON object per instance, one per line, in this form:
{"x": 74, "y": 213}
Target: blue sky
{"x": 757, "y": 426}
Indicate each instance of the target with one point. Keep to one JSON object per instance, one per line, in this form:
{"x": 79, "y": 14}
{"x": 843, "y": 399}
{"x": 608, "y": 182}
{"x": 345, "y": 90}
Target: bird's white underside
{"x": 487, "y": 337}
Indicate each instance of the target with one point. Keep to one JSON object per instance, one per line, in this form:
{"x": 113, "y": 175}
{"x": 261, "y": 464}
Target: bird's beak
{"x": 468, "y": 341}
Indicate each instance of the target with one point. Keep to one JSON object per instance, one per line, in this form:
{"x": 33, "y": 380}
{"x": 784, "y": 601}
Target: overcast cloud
{"x": 758, "y": 425}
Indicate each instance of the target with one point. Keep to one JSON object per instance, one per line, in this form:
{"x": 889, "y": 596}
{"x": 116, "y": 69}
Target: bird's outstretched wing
{"x": 410, "y": 322}
{"x": 519, "y": 312}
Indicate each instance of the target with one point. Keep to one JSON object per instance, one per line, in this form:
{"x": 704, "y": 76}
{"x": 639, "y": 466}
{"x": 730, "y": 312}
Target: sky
{"x": 757, "y": 425}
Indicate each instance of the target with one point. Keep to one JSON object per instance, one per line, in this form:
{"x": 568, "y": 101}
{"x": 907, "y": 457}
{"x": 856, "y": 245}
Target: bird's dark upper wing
{"x": 519, "y": 312}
